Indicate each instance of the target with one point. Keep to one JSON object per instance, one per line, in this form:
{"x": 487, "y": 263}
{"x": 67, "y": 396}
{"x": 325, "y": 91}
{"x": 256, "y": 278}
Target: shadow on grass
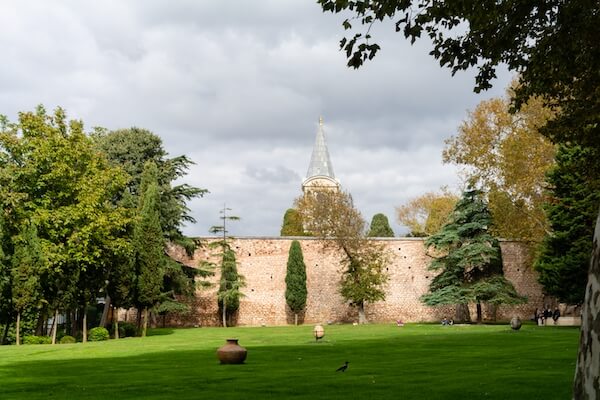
{"x": 439, "y": 366}
{"x": 160, "y": 331}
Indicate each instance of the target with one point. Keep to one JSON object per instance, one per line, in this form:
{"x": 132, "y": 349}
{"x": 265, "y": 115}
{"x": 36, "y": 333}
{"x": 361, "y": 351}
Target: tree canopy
{"x": 380, "y": 227}
{"x": 295, "y": 280}
{"x": 468, "y": 260}
{"x": 331, "y": 216}
{"x": 292, "y": 223}
{"x": 426, "y": 214}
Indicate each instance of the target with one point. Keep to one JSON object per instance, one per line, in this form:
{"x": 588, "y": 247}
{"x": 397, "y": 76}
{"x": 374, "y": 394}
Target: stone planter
{"x": 515, "y": 323}
{"x": 319, "y": 332}
{"x": 232, "y": 353}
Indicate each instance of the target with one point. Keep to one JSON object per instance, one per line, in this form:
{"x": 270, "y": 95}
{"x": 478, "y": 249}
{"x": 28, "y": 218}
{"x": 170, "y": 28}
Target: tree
{"x": 505, "y": 154}
{"x": 331, "y": 216}
{"x": 230, "y": 286}
{"x": 295, "y": 280}
{"x": 6, "y": 307}
{"x": 51, "y": 174}
{"x": 149, "y": 245}
{"x": 552, "y": 44}
{"x": 426, "y": 214}
{"x": 28, "y": 265}
{"x": 565, "y": 253}
{"x": 230, "y": 283}
{"x": 131, "y": 149}
{"x": 468, "y": 260}
{"x": 380, "y": 227}
{"x": 292, "y": 223}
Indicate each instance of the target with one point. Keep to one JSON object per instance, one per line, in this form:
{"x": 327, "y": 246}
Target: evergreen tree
{"x": 231, "y": 283}
{"x": 468, "y": 260}
{"x": 564, "y": 258}
{"x": 292, "y": 223}
{"x": 295, "y": 280}
{"x": 380, "y": 227}
{"x": 6, "y": 309}
{"x": 230, "y": 286}
{"x": 149, "y": 246}
{"x": 28, "y": 264}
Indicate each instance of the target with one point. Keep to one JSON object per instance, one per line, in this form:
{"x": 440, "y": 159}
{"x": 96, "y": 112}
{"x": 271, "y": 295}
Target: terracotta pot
{"x": 232, "y": 352}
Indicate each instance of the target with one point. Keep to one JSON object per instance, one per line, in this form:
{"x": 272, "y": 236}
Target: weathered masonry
{"x": 263, "y": 263}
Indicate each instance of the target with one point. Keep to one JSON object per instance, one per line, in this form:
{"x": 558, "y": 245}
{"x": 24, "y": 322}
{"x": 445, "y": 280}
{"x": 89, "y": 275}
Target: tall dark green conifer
{"x": 565, "y": 254}
{"x": 149, "y": 246}
{"x": 469, "y": 261}
{"x": 295, "y": 280}
{"x": 380, "y": 227}
{"x": 230, "y": 286}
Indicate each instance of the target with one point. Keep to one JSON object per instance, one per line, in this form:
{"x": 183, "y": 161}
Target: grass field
{"x": 386, "y": 361}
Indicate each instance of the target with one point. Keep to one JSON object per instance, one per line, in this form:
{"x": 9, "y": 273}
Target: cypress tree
{"x": 470, "y": 262}
{"x": 149, "y": 247}
{"x": 564, "y": 258}
{"x": 295, "y": 280}
{"x": 292, "y": 223}
{"x": 380, "y": 227}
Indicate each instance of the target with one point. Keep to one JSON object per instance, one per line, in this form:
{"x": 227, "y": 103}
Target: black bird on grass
{"x": 343, "y": 367}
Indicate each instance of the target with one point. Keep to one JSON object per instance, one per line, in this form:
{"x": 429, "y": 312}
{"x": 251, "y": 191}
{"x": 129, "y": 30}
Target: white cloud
{"x": 239, "y": 86}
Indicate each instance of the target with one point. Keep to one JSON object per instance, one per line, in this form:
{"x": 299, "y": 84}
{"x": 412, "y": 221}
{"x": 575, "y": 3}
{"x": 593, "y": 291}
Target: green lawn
{"x": 386, "y": 361}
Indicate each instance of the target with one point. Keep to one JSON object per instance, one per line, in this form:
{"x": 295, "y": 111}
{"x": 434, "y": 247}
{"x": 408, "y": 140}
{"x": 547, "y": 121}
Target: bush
{"x": 67, "y": 339}
{"x": 32, "y": 339}
{"x": 98, "y": 334}
{"x": 127, "y": 329}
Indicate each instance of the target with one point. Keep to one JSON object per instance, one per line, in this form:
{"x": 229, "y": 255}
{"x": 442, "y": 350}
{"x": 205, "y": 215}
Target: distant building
{"x": 320, "y": 174}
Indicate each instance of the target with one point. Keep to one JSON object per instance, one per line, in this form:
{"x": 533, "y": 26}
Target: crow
{"x": 343, "y": 367}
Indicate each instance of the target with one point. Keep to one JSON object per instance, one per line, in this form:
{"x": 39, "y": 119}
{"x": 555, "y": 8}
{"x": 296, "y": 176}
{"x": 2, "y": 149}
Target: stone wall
{"x": 262, "y": 261}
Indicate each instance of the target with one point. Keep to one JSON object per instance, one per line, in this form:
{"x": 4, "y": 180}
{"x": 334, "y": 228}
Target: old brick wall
{"x": 262, "y": 261}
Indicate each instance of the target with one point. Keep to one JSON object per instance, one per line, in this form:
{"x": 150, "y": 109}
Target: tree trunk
{"x": 144, "y": 321}
{"x": 224, "y": 314}
{"x": 18, "y": 328}
{"x": 362, "y": 318}
{"x": 296, "y": 319}
{"x": 54, "y": 326}
{"x": 587, "y": 373}
{"x": 115, "y": 320}
{"x": 39, "y": 327}
{"x": 479, "y": 313}
{"x": 105, "y": 311}
{"x": 5, "y": 334}
{"x": 462, "y": 313}
{"x": 84, "y": 325}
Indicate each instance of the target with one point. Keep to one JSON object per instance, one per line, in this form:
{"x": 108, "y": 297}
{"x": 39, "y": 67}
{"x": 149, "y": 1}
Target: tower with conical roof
{"x": 320, "y": 174}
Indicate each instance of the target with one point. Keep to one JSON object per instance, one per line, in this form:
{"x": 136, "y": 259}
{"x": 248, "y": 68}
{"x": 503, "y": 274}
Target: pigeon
{"x": 343, "y": 367}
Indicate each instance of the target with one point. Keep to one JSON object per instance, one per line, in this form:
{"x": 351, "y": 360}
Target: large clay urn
{"x": 232, "y": 353}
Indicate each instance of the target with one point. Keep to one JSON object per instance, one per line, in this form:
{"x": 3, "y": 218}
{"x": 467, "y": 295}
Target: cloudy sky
{"x": 239, "y": 86}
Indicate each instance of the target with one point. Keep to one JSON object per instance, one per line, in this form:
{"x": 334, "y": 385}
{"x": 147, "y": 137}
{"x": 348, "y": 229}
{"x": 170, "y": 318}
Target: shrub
{"x": 32, "y": 339}
{"x": 127, "y": 329}
{"x": 67, "y": 339}
{"x": 98, "y": 334}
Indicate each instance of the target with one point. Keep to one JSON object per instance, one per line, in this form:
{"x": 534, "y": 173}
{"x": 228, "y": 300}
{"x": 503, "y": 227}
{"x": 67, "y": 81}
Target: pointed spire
{"x": 320, "y": 164}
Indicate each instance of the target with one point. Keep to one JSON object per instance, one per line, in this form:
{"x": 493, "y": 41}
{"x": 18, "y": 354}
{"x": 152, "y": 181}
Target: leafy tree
{"x": 380, "y": 227}
{"x": 331, "y": 216}
{"x": 28, "y": 265}
{"x": 564, "y": 258}
{"x": 426, "y": 214}
{"x": 505, "y": 154}
{"x": 468, "y": 260}
{"x": 6, "y": 308}
{"x": 149, "y": 246}
{"x": 292, "y": 223}
{"x": 131, "y": 149}
{"x": 295, "y": 280}
{"x": 52, "y": 175}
